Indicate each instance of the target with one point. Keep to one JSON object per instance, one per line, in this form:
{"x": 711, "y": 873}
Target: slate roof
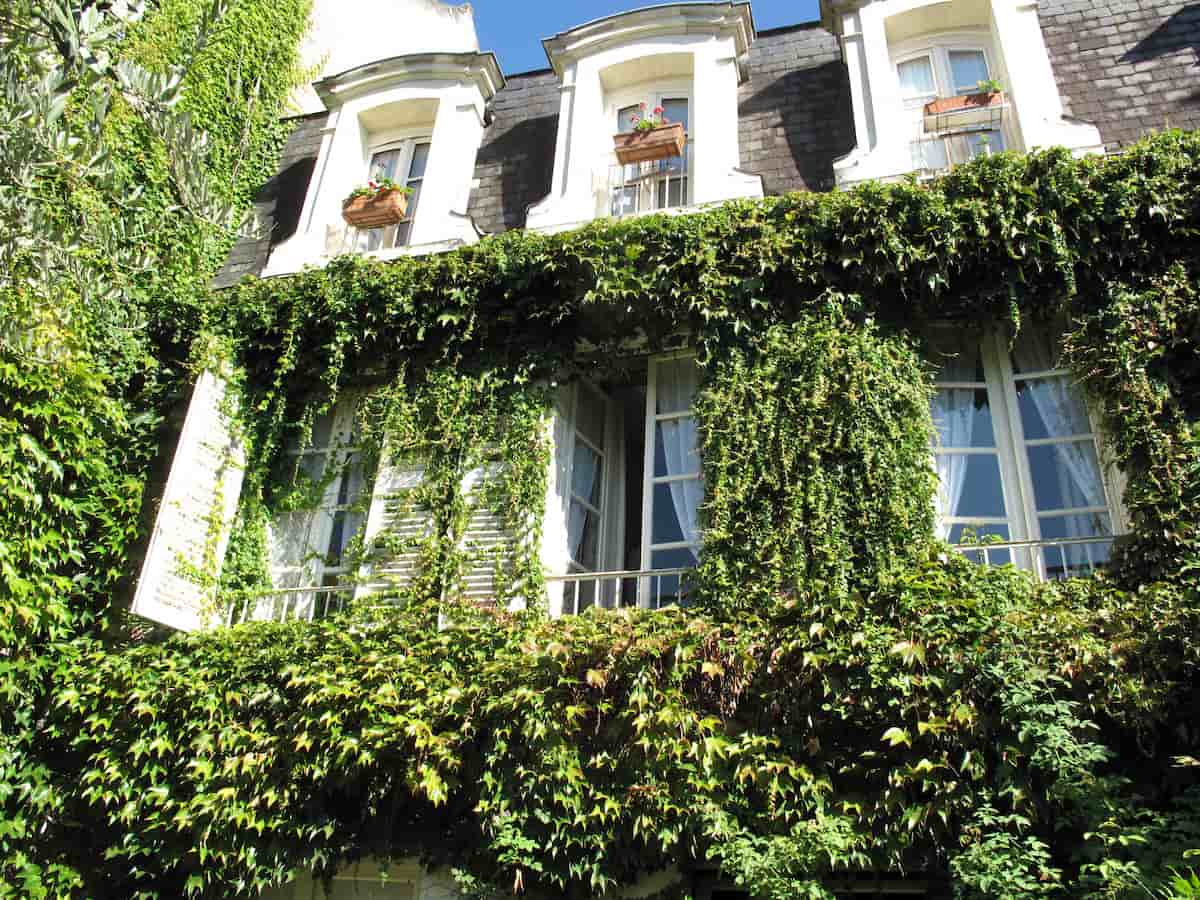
{"x": 1130, "y": 67}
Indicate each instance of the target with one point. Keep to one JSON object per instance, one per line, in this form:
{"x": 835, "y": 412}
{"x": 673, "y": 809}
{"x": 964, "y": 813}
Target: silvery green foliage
{"x": 60, "y": 74}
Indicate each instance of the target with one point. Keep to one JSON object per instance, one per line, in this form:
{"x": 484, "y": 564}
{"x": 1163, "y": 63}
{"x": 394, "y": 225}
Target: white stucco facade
{"x": 876, "y": 34}
{"x": 415, "y": 75}
{"x": 691, "y": 51}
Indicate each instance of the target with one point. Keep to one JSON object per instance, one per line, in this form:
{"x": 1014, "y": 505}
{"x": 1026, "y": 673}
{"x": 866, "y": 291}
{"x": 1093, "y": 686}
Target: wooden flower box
{"x": 387, "y": 207}
{"x": 965, "y": 110}
{"x": 662, "y": 142}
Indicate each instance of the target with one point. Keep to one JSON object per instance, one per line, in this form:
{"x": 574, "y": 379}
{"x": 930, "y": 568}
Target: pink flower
{"x": 642, "y": 105}
{"x": 658, "y": 110}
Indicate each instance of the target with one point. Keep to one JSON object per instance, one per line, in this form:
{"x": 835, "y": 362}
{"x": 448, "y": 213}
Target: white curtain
{"x": 676, "y": 387}
{"x": 1063, "y": 413}
{"x": 954, "y": 414}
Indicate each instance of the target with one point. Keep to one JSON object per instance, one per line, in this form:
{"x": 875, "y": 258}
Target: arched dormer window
{"x": 404, "y": 162}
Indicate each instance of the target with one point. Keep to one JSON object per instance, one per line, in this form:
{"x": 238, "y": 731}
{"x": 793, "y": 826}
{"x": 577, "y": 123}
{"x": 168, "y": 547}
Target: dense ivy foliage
{"x": 119, "y": 195}
{"x": 845, "y": 695}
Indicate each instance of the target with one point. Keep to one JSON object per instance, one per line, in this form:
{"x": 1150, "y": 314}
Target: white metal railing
{"x": 1052, "y": 559}
{"x": 648, "y": 186}
{"x": 646, "y": 588}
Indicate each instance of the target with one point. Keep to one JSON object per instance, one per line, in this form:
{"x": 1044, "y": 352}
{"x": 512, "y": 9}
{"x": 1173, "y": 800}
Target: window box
{"x": 387, "y": 207}
{"x": 662, "y": 142}
{"x": 964, "y": 111}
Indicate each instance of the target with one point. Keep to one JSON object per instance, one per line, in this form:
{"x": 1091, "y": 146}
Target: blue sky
{"x": 514, "y": 28}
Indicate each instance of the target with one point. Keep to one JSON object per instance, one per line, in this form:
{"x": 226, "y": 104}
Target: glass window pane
{"x": 627, "y": 116}
{"x": 678, "y": 558}
{"x": 420, "y": 159}
{"x": 1036, "y": 350}
{"x": 587, "y": 475}
{"x": 1066, "y": 476}
{"x": 963, "y": 418}
{"x": 289, "y": 538}
{"x": 916, "y": 77}
{"x": 675, "y": 450}
{"x": 589, "y": 415}
{"x": 383, "y": 165}
{"x": 675, "y": 109}
{"x": 586, "y": 537}
{"x": 677, "y": 381}
{"x": 1051, "y": 407}
{"x": 674, "y": 512}
{"x": 625, "y": 201}
{"x": 970, "y": 486}
{"x": 956, "y": 358}
{"x": 930, "y": 154}
{"x": 979, "y": 534}
{"x": 968, "y": 68}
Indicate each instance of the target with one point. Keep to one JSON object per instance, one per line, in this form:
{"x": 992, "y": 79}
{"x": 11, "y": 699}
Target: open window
{"x": 309, "y": 545}
{"x": 403, "y": 162}
{"x": 654, "y": 184}
{"x": 628, "y": 489}
{"x": 1019, "y": 462}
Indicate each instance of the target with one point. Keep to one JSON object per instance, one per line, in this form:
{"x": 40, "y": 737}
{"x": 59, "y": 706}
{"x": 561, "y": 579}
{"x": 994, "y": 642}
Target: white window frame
{"x": 937, "y": 48}
{"x": 313, "y": 569}
{"x": 407, "y": 143}
{"x": 577, "y": 437}
{"x": 649, "y": 479}
{"x": 652, "y": 94}
{"x": 1022, "y": 519}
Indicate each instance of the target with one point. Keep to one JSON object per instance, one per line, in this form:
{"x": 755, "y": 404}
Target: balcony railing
{"x": 646, "y": 588}
{"x": 648, "y": 186}
{"x": 935, "y": 155}
{"x": 1051, "y": 559}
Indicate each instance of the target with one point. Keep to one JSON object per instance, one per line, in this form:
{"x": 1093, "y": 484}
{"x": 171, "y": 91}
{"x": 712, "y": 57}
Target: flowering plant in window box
{"x": 652, "y": 138}
{"x": 378, "y": 203}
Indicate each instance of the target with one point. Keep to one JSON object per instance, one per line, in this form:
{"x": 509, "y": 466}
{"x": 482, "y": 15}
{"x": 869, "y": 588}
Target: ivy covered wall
{"x": 845, "y": 694}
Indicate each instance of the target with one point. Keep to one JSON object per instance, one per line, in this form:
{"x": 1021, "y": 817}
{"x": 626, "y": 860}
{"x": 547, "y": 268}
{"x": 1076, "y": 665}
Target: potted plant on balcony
{"x": 378, "y": 203}
{"x": 652, "y": 138}
{"x": 983, "y": 106}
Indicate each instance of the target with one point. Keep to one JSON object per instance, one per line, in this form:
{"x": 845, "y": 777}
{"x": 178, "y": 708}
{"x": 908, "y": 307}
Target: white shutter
{"x": 489, "y": 547}
{"x": 396, "y": 527}
{"x": 178, "y": 579}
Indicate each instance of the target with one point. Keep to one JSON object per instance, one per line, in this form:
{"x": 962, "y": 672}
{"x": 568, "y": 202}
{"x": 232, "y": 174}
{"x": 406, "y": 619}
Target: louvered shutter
{"x": 489, "y": 547}
{"x": 191, "y": 530}
{"x": 396, "y": 528}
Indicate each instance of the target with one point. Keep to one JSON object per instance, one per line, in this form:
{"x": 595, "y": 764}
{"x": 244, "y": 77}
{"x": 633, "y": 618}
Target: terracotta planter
{"x": 662, "y": 142}
{"x": 965, "y": 109}
{"x": 376, "y": 210}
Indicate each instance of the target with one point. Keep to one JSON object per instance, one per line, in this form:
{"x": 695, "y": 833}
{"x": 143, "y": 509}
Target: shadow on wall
{"x": 804, "y": 121}
{"x": 524, "y": 155}
{"x": 288, "y": 190}
{"x": 1180, "y": 32}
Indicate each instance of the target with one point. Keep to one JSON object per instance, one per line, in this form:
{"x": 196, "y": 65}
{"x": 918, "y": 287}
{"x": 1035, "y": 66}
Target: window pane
{"x": 584, "y": 536}
{"x": 674, "y": 513}
{"x": 383, "y": 165}
{"x": 676, "y": 384}
{"x": 589, "y": 416}
{"x": 1036, "y": 350}
{"x": 289, "y": 539}
{"x": 957, "y": 359}
{"x": 916, "y": 77}
{"x": 979, "y": 534}
{"x": 930, "y": 155}
{"x": 625, "y": 201}
{"x": 968, "y": 68}
{"x": 675, "y": 450}
{"x": 970, "y": 486}
{"x": 671, "y": 191}
{"x": 1066, "y": 476}
{"x": 679, "y": 558}
{"x": 586, "y": 474}
{"x": 675, "y": 109}
{"x": 1051, "y": 407}
{"x": 1077, "y": 526}
{"x": 345, "y": 526}
{"x": 626, "y": 117}
{"x": 420, "y": 159}
{"x": 322, "y": 432}
{"x": 963, "y": 418}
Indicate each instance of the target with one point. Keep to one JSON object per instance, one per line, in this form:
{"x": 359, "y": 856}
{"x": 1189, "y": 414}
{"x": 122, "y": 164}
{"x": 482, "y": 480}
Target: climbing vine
{"x": 846, "y": 694}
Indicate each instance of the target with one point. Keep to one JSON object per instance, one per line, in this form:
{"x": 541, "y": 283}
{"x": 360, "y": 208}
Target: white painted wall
{"x": 871, "y": 30}
{"x": 344, "y": 34}
{"x": 700, "y": 44}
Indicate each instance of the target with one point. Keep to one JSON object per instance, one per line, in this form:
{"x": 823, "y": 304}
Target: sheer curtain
{"x": 582, "y": 483}
{"x": 676, "y": 387}
{"x": 1060, "y": 409}
{"x": 954, "y": 414}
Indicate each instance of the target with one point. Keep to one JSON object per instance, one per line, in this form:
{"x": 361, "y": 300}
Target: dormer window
{"x": 405, "y": 163}
{"x": 654, "y": 184}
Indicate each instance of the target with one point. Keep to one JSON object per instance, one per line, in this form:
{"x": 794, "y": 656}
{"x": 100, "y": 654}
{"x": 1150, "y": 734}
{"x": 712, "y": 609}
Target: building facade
{"x": 875, "y": 90}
